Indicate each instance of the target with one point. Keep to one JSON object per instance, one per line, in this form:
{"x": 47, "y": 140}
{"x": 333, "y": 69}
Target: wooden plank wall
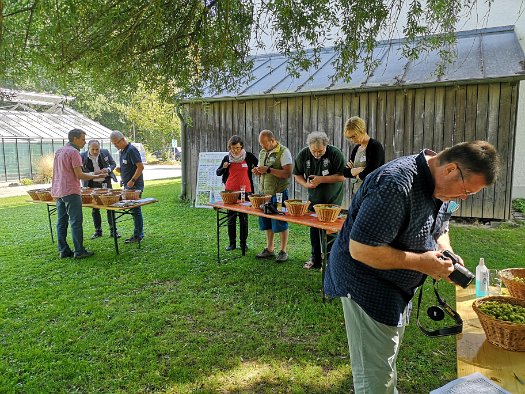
{"x": 404, "y": 121}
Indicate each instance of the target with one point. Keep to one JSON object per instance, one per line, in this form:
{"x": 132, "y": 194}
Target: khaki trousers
{"x": 373, "y": 350}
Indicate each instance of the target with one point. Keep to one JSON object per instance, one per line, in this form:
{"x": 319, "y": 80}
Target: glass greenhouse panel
{"x": 24, "y": 159}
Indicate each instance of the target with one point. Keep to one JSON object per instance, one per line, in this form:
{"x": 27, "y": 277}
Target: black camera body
{"x": 461, "y": 275}
{"x": 270, "y": 209}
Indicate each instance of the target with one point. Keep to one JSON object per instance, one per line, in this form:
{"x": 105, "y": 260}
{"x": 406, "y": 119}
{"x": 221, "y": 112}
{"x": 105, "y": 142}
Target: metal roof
{"x": 20, "y": 120}
{"x": 492, "y": 53}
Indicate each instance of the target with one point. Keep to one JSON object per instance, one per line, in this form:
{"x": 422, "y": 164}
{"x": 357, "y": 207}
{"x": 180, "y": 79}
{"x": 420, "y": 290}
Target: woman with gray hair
{"x": 319, "y": 169}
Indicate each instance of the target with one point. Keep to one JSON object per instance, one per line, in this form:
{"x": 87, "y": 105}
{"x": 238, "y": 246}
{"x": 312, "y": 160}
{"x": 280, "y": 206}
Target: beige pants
{"x": 373, "y": 350}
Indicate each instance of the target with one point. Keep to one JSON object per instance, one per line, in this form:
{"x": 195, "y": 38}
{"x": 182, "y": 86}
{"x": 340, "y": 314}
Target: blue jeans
{"x": 138, "y": 220}
{"x": 69, "y": 211}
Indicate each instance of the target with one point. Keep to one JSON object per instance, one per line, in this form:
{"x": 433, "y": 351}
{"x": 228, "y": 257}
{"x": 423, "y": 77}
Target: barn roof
{"x": 482, "y": 54}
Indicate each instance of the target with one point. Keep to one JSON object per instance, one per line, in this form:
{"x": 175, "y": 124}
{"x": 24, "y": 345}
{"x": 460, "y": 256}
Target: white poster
{"x": 209, "y": 185}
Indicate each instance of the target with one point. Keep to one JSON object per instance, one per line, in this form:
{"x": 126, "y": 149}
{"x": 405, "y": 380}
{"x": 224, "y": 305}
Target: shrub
{"x": 519, "y": 204}
{"x": 44, "y": 168}
{"x": 26, "y": 181}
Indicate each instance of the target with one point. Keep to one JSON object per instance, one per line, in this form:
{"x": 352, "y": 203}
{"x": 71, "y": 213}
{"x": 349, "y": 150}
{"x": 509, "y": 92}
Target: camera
{"x": 461, "y": 275}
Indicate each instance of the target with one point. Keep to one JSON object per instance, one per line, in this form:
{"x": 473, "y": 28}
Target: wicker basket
{"x": 108, "y": 199}
{"x": 510, "y": 336}
{"x": 230, "y": 197}
{"x": 327, "y": 212}
{"x": 131, "y": 194}
{"x": 44, "y": 195}
{"x": 296, "y": 207}
{"x": 96, "y": 195}
{"x": 87, "y": 198}
{"x": 33, "y": 194}
{"x": 259, "y": 199}
{"x": 516, "y": 289}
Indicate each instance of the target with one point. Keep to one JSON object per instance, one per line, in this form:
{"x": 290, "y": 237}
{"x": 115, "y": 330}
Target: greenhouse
{"x": 33, "y": 125}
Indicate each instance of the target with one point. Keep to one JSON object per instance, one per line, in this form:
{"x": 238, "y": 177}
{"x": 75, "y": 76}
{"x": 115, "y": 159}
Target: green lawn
{"x": 168, "y": 318}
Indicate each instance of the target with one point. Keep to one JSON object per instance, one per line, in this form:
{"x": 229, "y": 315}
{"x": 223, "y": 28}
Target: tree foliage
{"x": 142, "y": 115}
{"x": 180, "y": 46}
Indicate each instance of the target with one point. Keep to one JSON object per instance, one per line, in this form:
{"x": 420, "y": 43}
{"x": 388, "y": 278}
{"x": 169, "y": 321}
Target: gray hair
{"x": 116, "y": 135}
{"x": 267, "y": 134}
{"x": 317, "y": 138}
{"x": 92, "y": 142}
{"x": 75, "y": 133}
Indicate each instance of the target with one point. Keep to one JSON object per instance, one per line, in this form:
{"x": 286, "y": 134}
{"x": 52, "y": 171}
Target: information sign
{"x": 209, "y": 185}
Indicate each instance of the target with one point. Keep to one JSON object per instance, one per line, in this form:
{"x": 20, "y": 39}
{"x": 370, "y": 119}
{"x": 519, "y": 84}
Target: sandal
{"x": 311, "y": 265}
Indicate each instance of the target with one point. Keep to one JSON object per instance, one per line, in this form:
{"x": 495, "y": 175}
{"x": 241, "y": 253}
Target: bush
{"x": 26, "y": 181}
{"x": 44, "y": 168}
{"x": 519, "y": 204}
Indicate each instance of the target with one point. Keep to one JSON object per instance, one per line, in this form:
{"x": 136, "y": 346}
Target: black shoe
{"x": 65, "y": 255}
{"x": 231, "y": 247}
{"x": 84, "y": 254}
{"x": 118, "y": 235}
{"x": 133, "y": 239}
{"x": 96, "y": 234}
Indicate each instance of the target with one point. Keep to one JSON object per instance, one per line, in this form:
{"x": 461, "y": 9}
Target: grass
{"x": 167, "y": 318}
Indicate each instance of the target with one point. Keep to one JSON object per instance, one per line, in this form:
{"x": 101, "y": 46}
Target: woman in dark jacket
{"x": 97, "y": 160}
{"x": 367, "y": 155}
{"x": 236, "y": 171}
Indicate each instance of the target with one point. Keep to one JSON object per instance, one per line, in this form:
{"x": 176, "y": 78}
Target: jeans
{"x": 138, "y": 220}
{"x": 69, "y": 211}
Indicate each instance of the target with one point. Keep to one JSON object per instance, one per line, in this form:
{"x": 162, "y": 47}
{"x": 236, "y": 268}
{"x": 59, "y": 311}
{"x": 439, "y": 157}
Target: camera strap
{"x": 444, "y": 308}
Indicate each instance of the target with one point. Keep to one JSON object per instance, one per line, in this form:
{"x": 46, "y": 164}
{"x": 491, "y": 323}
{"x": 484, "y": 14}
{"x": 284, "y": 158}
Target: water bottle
{"x": 482, "y": 279}
{"x": 279, "y": 197}
{"x": 243, "y": 193}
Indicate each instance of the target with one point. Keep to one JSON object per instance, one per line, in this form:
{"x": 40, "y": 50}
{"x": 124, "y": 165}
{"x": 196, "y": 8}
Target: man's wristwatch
{"x": 268, "y": 170}
{"x": 133, "y": 180}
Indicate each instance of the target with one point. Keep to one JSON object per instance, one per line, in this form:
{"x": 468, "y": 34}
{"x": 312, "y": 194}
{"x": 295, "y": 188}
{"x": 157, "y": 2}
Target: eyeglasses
{"x": 463, "y": 180}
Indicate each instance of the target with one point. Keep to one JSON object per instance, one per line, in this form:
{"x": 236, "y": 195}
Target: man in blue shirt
{"x": 396, "y": 228}
{"x": 131, "y": 168}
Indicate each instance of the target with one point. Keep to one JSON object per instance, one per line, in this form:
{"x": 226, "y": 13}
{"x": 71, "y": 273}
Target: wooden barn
{"x": 405, "y": 104}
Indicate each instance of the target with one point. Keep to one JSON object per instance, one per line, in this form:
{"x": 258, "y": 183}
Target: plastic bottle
{"x": 482, "y": 279}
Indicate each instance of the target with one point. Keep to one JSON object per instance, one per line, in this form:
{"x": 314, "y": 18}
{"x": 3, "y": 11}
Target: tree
{"x": 181, "y": 46}
{"x": 141, "y": 115}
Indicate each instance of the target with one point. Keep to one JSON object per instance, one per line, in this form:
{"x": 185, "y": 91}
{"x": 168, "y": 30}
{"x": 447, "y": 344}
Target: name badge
{"x": 325, "y": 172}
{"x": 244, "y": 165}
{"x": 124, "y": 161}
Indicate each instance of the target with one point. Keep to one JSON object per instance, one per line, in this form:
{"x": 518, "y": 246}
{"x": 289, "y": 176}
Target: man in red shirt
{"x": 65, "y": 186}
